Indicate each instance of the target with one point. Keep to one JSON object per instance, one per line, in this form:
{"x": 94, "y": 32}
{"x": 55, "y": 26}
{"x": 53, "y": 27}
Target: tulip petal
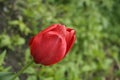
{"x": 49, "y": 49}
{"x": 34, "y": 45}
{"x": 60, "y": 29}
{"x": 70, "y": 39}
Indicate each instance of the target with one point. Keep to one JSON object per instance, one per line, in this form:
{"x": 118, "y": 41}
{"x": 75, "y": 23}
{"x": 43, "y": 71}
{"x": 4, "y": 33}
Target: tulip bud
{"x": 52, "y": 44}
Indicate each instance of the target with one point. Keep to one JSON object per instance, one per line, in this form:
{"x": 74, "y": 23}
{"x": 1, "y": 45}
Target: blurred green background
{"x": 96, "y": 53}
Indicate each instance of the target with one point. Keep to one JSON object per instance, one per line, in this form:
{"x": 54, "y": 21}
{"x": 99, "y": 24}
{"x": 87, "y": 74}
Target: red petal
{"x": 70, "y": 39}
{"x": 48, "y": 49}
{"x": 60, "y": 29}
{"x": 34, "y": 45}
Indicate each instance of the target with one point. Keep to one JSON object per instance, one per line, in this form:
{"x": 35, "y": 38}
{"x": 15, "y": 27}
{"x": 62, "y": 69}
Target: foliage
{"x": 95, "y": 55}
{"x": 2, "y": 57}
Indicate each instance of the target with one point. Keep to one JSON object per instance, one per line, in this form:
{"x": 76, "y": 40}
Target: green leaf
{"x": 15, "y": 22}
{"x": 17, "y": 40}
{"x": 7, "y": 76}
{"x": 5, "y": 40}
{"x": 31, "y": 78}
{"x": 2, "y": 57}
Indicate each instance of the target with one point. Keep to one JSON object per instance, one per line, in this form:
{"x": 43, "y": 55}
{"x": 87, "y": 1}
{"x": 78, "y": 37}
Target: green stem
{"x": 22, "y": 70}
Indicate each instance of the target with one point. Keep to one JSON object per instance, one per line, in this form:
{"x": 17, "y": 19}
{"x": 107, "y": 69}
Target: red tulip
{"x": 52, "y": 44}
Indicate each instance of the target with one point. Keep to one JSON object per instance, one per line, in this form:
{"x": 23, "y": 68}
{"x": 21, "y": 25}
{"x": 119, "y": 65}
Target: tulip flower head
{"x": 52, "y": 44}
